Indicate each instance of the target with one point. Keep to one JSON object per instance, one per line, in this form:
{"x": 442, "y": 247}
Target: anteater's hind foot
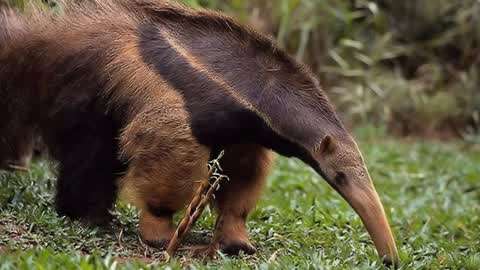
{"x": 86, "y": 191}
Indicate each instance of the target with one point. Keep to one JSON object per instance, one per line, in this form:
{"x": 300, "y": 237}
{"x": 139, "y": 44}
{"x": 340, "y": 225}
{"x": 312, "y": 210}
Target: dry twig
{"x": 200, "y": 200}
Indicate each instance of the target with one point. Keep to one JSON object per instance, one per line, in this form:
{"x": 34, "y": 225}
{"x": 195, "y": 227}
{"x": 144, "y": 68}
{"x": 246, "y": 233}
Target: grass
{"x": 431, "y": 192}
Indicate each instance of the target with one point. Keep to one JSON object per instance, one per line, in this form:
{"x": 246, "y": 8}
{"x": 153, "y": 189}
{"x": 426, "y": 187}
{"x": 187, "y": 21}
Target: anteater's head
{"x": 340, "y": 162}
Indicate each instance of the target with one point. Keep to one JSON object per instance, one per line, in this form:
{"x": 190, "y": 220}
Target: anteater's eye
{"x": 340, "y": 178}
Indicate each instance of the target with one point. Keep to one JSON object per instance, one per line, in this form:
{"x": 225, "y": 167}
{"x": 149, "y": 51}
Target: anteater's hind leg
{"x": 247, "y": 167}
{"x": 89, "y": 168}
{"x": 166, "y": 166}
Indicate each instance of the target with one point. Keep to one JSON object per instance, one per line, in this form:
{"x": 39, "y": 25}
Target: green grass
{"x": 431, "y": 192}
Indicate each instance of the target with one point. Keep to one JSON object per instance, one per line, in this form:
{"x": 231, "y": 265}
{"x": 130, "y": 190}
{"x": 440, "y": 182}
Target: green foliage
{"x": 430, "y": 191}
{"x": 23, "y": 5}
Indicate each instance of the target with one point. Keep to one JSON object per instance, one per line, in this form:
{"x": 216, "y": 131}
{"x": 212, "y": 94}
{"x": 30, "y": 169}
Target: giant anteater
{"x": 137, "y": 95}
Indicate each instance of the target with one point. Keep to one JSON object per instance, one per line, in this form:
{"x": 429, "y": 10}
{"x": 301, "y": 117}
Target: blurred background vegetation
{"x": 411, "y": 66}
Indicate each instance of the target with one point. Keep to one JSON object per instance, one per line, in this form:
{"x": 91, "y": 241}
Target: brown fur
{"x": 247, "y": 167}
{"x": 141, "y": 93}
{"x": 19, "y": 151}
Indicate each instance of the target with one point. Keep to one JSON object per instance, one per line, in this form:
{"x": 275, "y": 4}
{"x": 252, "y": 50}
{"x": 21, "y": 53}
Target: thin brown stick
{"x": 18, "y": 168}
{"x": 200, "y": 200}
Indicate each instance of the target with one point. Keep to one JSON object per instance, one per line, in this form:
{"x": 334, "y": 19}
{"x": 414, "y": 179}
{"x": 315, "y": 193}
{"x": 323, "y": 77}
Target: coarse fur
{"x": 139, "y": 94}
{"x": 19, "y": 150}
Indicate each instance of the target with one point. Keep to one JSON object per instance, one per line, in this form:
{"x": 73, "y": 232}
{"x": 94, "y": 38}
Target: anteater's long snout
{"x": 345, "y": 170}
{"x": 365, "y": 201}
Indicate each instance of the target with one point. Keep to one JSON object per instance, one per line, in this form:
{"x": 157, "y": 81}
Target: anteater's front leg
{"x": 166, "y": 166}
{"x": 247, "y": 167}
{"x": 161, "y": 186}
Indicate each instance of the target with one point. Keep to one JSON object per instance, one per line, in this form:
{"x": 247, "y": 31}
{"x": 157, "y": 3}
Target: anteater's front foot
{"x": 232, "y": 237}
{"x": 235, "y": 247}
{"x": 156, "y": 231}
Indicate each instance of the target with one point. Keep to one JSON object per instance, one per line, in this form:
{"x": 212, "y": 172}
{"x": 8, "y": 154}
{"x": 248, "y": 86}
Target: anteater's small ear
{"x": 327, "y": 146}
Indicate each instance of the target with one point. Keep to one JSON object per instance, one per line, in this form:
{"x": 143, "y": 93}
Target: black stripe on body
{"x": 266, "y": 77}
{"x": 217, "y": 118}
